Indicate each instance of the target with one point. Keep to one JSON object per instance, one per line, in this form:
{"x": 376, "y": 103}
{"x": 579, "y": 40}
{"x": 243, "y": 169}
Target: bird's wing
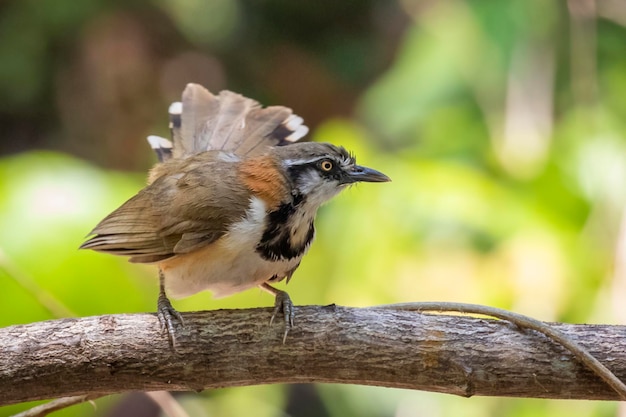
{"x": 229, "y": 122}
{"x": 162, "y": 220}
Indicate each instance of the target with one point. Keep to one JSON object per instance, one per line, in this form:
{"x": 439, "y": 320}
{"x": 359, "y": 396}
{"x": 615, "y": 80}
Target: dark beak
{"x": 364, "y": 174}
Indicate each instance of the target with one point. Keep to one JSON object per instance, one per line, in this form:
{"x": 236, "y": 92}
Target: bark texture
{"x": 451, "y": 354}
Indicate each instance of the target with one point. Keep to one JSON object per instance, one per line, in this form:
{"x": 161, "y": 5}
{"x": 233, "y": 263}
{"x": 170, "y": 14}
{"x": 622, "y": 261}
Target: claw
{"x": 283, "y": 303}
{"x": 169, "y": 318}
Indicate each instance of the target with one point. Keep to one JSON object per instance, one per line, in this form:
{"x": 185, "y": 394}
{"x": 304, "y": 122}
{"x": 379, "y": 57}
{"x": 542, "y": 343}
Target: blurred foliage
{"x": 501, "y": 124}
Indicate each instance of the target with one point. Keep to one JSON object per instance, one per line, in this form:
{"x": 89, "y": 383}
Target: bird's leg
{"x": 168, "y": 316}
{"x": 283, "y": 303}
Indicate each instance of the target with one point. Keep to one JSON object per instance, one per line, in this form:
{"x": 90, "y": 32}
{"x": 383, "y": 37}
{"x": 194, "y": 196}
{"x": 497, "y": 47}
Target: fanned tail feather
{"x": 229, "y": 122}
{"x": 161, "y": 146}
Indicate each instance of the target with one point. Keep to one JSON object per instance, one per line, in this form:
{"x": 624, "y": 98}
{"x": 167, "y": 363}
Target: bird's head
{"x": 319, "y": 171}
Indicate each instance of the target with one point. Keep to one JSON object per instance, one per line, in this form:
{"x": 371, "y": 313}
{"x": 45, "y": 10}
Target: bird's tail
{"x": 227, "y": 121}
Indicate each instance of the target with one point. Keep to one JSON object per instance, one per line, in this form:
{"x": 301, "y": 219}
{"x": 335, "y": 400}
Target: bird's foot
{"x": 169, "y": 318}
{"x": 283, "y": 303}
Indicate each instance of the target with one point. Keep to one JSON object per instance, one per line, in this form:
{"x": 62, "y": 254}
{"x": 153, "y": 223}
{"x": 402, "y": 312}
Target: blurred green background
{"x": 501, "y": 123}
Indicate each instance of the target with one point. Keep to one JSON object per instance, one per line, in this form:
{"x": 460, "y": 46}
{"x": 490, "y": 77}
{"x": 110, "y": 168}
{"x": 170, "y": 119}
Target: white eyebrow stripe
{"x": 292, "y": 162}
{"x": 295, "y": 162}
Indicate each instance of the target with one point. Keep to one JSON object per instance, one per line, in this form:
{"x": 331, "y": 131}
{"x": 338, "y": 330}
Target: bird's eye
{"x": 326, "y": 165}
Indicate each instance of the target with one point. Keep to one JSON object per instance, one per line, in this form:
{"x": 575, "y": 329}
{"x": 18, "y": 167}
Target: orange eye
{"x": 326, "y": 165}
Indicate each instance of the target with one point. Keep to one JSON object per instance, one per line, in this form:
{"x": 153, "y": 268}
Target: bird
{"x": 230, "y": 204}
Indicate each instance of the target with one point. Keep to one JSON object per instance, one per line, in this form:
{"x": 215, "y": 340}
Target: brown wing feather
{"x": 133, "y": 229}
{"x": 162, "y": 220}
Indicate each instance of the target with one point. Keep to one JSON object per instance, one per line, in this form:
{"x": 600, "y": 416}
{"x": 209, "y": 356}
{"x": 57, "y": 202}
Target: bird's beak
{"x": 364, "y": 174}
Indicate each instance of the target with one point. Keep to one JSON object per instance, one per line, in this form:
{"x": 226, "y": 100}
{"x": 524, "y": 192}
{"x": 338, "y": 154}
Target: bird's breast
{"x": 289, "y": 231}
{"x": 231, "y": 264}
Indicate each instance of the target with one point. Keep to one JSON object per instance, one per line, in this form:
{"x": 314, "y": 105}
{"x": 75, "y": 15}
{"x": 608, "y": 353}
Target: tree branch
{"x": 524, "y": 322}
{"x": 372, "y": 346}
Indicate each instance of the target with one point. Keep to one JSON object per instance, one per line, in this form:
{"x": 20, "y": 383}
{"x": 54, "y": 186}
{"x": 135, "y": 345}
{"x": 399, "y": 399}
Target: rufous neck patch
{"x": 263, "y": 177}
